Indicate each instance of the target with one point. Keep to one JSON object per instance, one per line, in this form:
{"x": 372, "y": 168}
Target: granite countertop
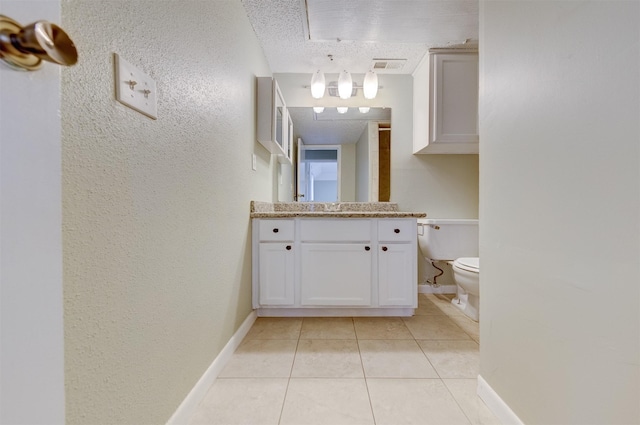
{"x": 338, "y": 214}
{"x": 330, "y": 210}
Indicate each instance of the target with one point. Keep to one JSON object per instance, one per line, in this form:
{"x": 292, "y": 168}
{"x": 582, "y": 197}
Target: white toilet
{"x": 455, "y": 242}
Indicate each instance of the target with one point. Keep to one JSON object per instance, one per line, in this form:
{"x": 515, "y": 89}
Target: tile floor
{"x": 361, "y": 370}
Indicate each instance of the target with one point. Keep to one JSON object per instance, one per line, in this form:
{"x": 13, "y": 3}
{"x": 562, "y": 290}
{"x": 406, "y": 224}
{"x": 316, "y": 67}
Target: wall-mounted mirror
{"x": 360, "y": 145}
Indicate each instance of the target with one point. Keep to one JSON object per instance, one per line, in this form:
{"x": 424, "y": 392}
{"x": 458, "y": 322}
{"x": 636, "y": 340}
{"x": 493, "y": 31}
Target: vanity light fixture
{"x": 345, "y": 85}
{"x": 318, "y": 109}
{"x": 317, "y": 85}
{"x": 342, "y": 109}
{"x": 364, "y": 109}
{"x": 370, "y": 85}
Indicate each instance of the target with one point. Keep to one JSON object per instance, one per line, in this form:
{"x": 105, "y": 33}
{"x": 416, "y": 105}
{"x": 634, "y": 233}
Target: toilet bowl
{"x": 466, "y": 274}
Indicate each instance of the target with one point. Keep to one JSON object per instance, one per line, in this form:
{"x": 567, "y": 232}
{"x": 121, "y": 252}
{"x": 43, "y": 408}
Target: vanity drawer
{"x": 335, "y": 230}
{"x": 391, "y": 230}
{"x": 276, "y": 230}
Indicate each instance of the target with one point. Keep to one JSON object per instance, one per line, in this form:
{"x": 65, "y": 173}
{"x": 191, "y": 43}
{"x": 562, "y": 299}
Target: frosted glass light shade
{"x": 345, "y": 85}
{"x": 370, "y": 85}
{"x": 317, "y": 85}
{"x": 342, "y": 109}
{"x": 318, "y": 109}
{"x": 364, "y": 109}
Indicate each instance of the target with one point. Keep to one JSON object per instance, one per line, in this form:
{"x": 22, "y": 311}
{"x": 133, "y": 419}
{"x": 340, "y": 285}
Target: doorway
{"x": 318, "y": 173}
{"x": 384, "y": 164}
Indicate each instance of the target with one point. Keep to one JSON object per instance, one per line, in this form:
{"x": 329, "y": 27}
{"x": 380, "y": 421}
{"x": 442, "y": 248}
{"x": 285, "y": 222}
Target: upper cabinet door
{"x": 446, "y": 92}
{"x": 273, "y": 119}
{"x": 455, "y": 98}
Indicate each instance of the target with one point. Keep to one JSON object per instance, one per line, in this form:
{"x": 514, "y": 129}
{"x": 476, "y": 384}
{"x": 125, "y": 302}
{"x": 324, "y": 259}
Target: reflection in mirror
{"x": 318, "y": 177}
{"x": 363, "y": 173}
{"x": 290, "y": 136}
{"x": 279, "y": 125}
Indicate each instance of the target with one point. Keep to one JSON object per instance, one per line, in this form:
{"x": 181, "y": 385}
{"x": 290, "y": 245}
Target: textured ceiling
{"x": 355, "y": 32}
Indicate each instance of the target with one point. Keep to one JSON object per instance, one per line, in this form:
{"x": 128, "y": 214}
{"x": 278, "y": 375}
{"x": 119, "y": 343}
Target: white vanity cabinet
{"x": 446, "y": 103}
{"x": 336, "y": 262}
{"x": 277, "y": 265}
{"x": 335, "y": 266}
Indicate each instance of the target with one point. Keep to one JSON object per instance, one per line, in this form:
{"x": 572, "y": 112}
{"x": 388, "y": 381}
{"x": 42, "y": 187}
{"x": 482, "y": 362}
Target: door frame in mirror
{"x": 301, "y": 148}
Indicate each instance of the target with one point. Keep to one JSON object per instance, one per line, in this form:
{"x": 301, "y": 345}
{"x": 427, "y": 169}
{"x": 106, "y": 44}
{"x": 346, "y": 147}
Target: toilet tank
{"x": 448, "y": 239}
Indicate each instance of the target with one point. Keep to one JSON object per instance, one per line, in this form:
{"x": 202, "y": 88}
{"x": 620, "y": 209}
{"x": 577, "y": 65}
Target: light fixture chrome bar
{"x": 355, "y": 86}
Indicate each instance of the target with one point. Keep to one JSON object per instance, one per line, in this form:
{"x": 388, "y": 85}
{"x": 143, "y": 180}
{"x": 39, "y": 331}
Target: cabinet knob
{"x": 276, "y": 230}
{"x": 384, "y": 248}
{"x": 367, "y": 248}
{"x": 288, "y": 247}
{"x": 396, "y": 230}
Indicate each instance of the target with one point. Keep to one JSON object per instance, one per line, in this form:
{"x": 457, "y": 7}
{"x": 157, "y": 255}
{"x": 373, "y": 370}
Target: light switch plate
{"x": 254, "y": 165}
{"x": 135, "y": 89}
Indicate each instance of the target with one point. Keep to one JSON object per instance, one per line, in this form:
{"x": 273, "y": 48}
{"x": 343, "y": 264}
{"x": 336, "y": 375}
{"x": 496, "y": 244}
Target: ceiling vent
{"x": 380, "y": 65}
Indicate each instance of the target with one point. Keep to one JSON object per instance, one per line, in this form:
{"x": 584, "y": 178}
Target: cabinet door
{"x": 397, "y": 284}
{"x": 272, "y": 118}
{"x": 455, "y": 98}
{"x": 276, "y": 274}
{"x": 335, "y": 274}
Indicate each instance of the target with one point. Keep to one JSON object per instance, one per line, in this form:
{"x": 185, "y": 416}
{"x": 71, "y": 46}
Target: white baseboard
{"x": 493, "y": 401}
{"x": 335, "y": 312}
{"x": 187, "y": 408}
{"x": 442, "y": 289}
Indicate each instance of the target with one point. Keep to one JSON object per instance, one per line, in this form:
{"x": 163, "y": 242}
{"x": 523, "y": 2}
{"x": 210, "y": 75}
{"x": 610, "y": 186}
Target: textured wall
{"x": 157, "y": 264}
{"x": 560, "y": 209}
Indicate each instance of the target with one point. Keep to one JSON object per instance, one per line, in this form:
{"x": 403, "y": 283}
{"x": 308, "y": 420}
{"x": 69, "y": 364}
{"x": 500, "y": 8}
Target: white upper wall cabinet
{"x": 446, "y": 104}
{"x": 274, "y": 125}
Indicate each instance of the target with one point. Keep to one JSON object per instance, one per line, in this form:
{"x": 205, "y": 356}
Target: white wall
{"x": 31, "y": 329}
{"x": 286, "y": 182}
{"x": 443, "y": 186}
{"x": 156, "y": 228}
{"x": 348, "y": 172}
{"x": 560, "y": 209}
{"x": 362, "y": 167}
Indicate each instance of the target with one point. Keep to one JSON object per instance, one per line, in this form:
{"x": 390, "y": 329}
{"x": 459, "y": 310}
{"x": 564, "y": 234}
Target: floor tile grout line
{"x": 438, "y": 373}
{"x": 286, "y": 391}
{"x": 373, "y": 415}
{"x": 463, "y": 330}
{"x": 426, "y": 357}
{"x": 457, "y": 402}
{"x": 357, "y": 339}
{"x": 362, "y": 363}
{"x": 429, "y": 360}
{"x": 364, "y": 375}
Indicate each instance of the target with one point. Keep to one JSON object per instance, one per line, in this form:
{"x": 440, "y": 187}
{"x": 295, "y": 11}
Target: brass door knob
{"x": 26, "y": 47}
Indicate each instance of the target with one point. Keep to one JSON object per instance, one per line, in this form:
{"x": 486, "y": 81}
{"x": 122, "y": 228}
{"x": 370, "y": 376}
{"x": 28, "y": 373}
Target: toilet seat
{"x": 470, "y": 264}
